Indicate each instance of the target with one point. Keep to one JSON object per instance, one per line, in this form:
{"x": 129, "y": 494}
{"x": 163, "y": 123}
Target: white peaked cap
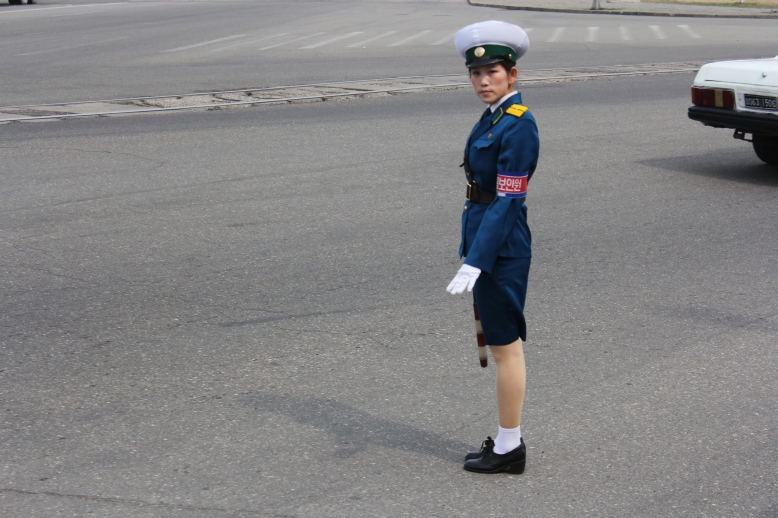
{"x": 492, "y": 32}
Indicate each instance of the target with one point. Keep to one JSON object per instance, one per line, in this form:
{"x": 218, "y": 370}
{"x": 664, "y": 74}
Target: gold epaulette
{"x": 517, "y": 110}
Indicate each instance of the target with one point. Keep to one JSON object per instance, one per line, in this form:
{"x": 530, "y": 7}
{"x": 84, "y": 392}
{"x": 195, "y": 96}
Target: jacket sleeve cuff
{"x": 480, "y": 263}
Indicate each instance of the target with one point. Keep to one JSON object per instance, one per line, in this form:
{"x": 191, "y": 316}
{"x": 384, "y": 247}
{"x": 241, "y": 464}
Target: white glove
{"x": 465, "y": 278}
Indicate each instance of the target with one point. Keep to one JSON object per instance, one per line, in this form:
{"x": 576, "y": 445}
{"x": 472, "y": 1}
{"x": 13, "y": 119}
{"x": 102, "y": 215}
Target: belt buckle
{"x": 469, "y": 191}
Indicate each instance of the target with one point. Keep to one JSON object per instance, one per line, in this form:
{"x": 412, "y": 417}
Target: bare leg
{"x": 511, "y": 380}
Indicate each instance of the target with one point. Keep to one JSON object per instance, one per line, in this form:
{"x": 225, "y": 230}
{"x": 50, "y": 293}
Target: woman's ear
{"x": 513, "y": 75}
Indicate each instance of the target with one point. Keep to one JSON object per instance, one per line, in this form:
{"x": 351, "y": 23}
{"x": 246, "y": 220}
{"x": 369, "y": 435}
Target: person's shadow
{"x": 354, "y": 429}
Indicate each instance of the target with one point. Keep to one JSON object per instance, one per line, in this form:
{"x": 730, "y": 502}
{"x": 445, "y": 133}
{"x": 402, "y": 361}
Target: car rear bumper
{"x": 747, "y": 122}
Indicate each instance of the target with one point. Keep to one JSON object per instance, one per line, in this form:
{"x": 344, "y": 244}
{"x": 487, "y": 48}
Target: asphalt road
{"x": 242, "y": 312}
{"x": 57, "y": 52}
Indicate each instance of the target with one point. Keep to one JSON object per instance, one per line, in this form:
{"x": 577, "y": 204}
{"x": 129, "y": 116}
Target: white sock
{"x": 508, "y": 439}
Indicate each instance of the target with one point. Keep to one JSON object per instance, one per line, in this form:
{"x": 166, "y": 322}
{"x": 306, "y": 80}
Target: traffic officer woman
{"x": 500, "y": 157}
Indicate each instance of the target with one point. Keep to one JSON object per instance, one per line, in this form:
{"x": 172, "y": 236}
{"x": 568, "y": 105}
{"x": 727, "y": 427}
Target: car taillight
{"x": 713, "y": 97}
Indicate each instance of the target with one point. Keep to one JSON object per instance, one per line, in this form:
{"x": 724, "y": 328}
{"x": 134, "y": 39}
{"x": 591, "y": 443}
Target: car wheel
{"x": 766, "y": 148}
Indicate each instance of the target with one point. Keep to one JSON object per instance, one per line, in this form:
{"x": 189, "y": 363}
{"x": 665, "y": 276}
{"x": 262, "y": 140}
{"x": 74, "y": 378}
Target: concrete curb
{"x": 476, "y": 3}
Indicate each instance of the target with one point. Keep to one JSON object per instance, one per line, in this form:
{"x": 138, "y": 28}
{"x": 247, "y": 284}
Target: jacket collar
{"x": 505, "y": 102}
{"x": 510, "y": 96}
{"x": 489, "y": 119}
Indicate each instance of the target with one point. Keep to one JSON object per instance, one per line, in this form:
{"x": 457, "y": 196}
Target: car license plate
{"x": 759, "y": 101}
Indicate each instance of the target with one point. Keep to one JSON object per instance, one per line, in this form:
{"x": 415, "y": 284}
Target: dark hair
{"x": 507, "y": 64}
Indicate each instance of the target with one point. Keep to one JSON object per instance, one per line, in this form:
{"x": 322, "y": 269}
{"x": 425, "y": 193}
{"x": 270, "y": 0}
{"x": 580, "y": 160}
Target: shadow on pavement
{"x": 723, "y": 165}
{"x": 355, "y": 430}
{"x": 714, "y": 318}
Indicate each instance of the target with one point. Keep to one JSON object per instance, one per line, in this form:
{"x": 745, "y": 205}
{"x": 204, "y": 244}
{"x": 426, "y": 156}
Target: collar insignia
{"x": 497, "y": 116}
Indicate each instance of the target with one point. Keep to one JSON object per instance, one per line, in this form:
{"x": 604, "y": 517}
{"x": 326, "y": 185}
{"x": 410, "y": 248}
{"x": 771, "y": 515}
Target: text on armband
{"x": 512, "y": 185}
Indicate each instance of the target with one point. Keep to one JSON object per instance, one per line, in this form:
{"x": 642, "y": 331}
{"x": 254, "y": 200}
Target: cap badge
{"x": 479, "y": 52}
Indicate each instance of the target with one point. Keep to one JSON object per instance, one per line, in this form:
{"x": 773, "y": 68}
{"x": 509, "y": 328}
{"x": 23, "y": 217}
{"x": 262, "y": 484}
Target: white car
{"x": 740, "y": 95}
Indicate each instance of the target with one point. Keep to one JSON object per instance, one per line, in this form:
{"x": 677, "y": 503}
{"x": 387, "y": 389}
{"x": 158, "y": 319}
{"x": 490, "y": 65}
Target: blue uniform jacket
{"x": 510, "y": 145}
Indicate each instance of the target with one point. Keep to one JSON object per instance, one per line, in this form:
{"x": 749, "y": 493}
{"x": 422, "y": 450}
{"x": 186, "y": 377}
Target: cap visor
{"x": 483, "y": 62}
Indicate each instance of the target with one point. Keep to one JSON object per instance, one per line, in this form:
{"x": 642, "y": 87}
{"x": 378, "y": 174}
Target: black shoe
{"x": 487, "y": 444}
{"x": 513, "y": 462}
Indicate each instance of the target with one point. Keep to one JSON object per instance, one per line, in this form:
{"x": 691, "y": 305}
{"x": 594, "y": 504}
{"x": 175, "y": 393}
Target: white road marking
{"x": 591, "y": 34}
{"x": 72, "y": 14}
{"x": 557, "y": 35}
{"x": 688, "y": 30}
{"x": 195, "y": 45}
{"x": 249, "y": 42}
{"x": 529, "y": 30}
{"x": 359, "y": 43}
{"x": 625, "y": 34}
{"x": 36, "y": 52}
{"x": 23, "y": 10}
{"x": 292, "y": 41}
{"x": 331, "y": 40}
{"x": 660, "y": 34}
{"x": 35, "y": 9}
{"x": 409, "y": 38}
{"x": 443, "y": 40}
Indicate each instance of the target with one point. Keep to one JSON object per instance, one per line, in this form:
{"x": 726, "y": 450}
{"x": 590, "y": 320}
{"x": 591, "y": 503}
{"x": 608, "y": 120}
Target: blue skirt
{"x": 500, "y": 297}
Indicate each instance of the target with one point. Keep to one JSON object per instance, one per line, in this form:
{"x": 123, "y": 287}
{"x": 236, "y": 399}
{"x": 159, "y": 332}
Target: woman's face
{"x": 491, "y": 82}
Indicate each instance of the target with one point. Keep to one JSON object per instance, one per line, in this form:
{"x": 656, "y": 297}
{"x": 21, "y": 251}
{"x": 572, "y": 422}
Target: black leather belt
{"x": 474, "y": 191}
{"x": 478, "y": 195}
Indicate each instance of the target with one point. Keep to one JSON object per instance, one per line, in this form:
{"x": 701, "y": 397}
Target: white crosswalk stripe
{"x": 441, "y": 41}
{"x": 292, "y": 41}
{"x": 409, "y": 38}
{"x": 374, "y": 38}
{"x": 250, "y": 42}
{"x": 688, "y": 30}
{"x": 332, "y": 40}
{"x": 441, "y": 37}
{"x": 557, "y": 35}
{"x": 657, "y": 30}
{"x": 203, "y": 43}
